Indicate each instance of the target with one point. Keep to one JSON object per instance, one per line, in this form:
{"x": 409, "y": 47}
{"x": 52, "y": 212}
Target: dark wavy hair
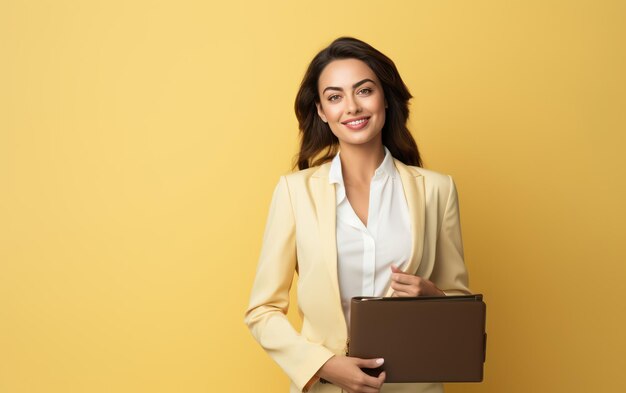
{"x": 317, "y": 142}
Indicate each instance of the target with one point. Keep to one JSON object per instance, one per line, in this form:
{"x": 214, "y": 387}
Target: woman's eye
{"x": 333, "y": 98}
{"x": 366, "y": 90}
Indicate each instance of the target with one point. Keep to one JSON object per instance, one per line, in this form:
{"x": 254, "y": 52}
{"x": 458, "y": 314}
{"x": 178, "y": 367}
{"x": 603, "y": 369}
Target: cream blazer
{"x": 300, "y": 237}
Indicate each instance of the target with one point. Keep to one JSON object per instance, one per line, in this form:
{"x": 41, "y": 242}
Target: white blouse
{"x": 365, "y": 253}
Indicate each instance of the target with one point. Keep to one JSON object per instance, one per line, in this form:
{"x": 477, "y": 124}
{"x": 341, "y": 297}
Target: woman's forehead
{"x": 345, "y": 72}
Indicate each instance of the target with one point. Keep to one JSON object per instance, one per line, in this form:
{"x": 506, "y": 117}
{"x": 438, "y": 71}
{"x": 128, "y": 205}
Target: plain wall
{"x": 140, "y": 142}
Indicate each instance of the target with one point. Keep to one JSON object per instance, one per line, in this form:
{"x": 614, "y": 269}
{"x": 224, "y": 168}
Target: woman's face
{"x": 352, "y": 102}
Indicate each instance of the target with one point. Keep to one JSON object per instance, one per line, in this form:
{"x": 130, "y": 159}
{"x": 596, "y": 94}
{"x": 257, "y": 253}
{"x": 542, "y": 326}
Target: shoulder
{"x": 295, "y": 185}
{"x": 430, "y": 174}
{"x": 303, "y": 177}
{"x": 439, "y": 188}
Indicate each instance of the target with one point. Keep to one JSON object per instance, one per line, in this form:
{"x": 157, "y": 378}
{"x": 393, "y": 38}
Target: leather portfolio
{"x": 422, "y": 339}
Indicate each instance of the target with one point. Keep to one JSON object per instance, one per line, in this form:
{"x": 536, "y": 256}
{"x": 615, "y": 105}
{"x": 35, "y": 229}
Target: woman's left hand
{"x": 408, "y": 285}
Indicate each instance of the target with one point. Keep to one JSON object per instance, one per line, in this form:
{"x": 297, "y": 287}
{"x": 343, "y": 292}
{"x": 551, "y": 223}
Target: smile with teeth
{"x": 354, "y": 123}
{"x": 357, "y": 124}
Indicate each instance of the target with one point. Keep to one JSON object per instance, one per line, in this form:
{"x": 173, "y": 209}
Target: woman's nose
{"x": 352, "y": 105}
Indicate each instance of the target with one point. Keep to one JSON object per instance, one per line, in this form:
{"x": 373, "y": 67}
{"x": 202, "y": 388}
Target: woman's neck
{"x": 359, "y": 162}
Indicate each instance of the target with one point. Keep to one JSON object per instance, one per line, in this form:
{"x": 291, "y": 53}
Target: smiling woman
{"x": 328, "y": 80}
{"x": 359, "y": 107}
{"x": 359, "y": 218}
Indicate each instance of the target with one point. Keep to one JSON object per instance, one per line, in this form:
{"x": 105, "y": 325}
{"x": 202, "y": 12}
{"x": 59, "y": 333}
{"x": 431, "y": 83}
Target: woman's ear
{"x": 320, "y": 112}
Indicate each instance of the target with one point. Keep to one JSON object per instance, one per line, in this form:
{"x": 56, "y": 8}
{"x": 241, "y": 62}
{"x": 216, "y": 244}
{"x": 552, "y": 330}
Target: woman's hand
{"x": 345, "y": 372}
{"x": 406, "y": 285}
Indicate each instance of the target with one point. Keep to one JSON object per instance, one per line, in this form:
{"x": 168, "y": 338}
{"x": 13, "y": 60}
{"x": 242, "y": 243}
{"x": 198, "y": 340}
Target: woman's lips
{"x": 357, "y": 125}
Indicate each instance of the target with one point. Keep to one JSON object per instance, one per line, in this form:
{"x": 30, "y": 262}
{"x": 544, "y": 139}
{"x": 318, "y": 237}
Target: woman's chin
{"x": 359, "y": 140}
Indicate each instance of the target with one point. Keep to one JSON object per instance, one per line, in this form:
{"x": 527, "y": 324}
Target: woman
{"x": 360, "y": 218}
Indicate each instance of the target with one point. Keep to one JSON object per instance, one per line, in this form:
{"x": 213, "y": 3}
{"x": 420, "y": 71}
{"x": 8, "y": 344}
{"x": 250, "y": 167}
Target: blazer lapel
{"x": 413, "y": 185}
{"x": 326, "y": 210}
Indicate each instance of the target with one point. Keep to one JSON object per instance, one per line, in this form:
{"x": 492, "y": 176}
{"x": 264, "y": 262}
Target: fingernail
{"x": 380, "y": 361}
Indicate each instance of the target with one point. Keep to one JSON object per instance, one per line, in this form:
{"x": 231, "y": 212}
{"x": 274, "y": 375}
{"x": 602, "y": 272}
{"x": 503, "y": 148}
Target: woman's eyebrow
{"x": 359, "y": 83}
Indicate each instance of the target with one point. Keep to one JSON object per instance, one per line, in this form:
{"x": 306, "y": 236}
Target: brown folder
{"x": 422, "y": 339}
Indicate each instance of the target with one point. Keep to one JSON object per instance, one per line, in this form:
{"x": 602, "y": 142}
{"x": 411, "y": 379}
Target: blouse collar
{"x": 335, "y": 176}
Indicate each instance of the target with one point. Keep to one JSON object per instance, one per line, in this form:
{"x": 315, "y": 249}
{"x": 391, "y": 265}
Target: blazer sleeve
{"x": 450, "y": 272}
{"x": 269, "y": 299}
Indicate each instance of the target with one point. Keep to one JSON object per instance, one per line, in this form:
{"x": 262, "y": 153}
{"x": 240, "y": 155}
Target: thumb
{"x": 395, "y": 269}
{"x": 370, "y": 363}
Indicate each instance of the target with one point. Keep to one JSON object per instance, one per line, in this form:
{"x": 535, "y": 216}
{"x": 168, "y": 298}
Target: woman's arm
{"x": 450, "y": 272}
{"x": 269, "y": 299}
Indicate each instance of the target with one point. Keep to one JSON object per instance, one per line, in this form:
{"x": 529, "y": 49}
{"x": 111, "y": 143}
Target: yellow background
{"x": 140, "y": 142}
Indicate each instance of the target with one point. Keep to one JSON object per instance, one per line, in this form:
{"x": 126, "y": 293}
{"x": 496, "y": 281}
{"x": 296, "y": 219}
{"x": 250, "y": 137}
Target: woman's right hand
{"x": 345, "y": 372}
